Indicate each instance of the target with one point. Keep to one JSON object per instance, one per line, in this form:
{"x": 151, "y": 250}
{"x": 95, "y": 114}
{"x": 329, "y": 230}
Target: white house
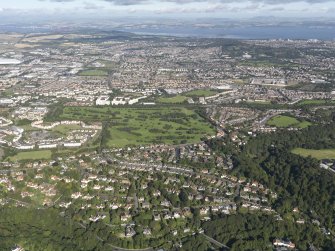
{"x": 103, "y": 100}
{"x": 47, "y": 146}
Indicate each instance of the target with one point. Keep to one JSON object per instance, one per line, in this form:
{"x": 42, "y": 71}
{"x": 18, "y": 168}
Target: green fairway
{"x": 200, "y": 93}
{"x": 143, "y": 126}
{"x": 33, "y": 155}
{"x": 287, "y": 121}
{"x": 94, "y": 72}
{"x": 172, "y": 100}
{"x": 318, "y": 154}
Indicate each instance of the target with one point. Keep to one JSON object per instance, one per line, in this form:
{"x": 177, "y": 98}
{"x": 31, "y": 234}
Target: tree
{"x": 183, "y": 197}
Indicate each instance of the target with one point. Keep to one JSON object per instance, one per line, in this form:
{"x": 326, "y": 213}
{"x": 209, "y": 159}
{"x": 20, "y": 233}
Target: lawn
{"x": 200, "y": 93}
{"x": 32, "y": 155}
{"x": 287, "y": 121}
{"x": 318, "y": 154}
{"x": 142, "y": 126}
{"x": 172, "y": 100}
{"x": 95, "y": 72}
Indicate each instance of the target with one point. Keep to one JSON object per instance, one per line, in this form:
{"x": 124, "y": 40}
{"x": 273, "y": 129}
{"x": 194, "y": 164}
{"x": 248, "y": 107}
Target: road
{"x": 115, "y": 248}
{"x": 135, "y": 202}
{"x": 215, "y": 242}
{"x": 125, "y": 249}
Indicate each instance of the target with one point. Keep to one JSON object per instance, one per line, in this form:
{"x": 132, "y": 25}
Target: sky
{"x": 170, "y": 8}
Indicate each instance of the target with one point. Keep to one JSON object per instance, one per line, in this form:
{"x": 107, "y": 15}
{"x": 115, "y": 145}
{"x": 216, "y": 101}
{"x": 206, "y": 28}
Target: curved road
{"x": 125, "y": 249}
{"x": 215, "y": 242}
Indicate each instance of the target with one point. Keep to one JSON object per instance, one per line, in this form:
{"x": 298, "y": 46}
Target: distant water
{"x": 251, "y": 32}
{"x": 261, "y": 32}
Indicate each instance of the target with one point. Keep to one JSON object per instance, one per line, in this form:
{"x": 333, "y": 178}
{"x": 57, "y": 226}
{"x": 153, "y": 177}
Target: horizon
{"x": 76, "y": 10}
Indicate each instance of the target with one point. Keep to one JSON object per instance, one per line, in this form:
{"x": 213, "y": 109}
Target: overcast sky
{"x": 169, "y": 8}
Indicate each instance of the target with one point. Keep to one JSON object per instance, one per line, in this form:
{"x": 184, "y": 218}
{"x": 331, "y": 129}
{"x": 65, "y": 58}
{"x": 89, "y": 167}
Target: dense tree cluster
{"x": 299, "y": 183}
{"x": 44, "y": 229}
{"x": 256, "y": 232}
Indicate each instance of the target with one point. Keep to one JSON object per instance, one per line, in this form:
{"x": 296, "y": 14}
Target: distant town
{"x": 144, "y": 141}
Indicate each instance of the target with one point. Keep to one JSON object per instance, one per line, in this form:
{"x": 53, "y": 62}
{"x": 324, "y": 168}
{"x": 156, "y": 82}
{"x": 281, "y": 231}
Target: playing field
{"x": 172, "y": 100}
{"x": 32, "y": 155}
{"x": 93, "y": 73}
{"x": 128, "y": 126}
{"x": 200, "y": 93}
{"x": 318, "y": 154}
{"x": 287, "y": 121}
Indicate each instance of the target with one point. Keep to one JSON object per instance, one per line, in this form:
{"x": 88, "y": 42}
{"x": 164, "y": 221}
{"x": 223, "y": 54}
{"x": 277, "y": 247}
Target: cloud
{"x": 91, "y": 6}
{"x": 127, "y": 2}
{"x": 272, "y": 2}
{"x": 59, "y": 1}
{"x": 181, "y": 2}
{"x": 277, "y": 9}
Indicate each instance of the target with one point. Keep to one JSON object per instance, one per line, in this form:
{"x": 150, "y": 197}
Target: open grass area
{"x": 29, "y": 128}
{"x": 107, "y": 64}
{"x": 317, "y": 102}
{"x": 172, "y": 100}
{"x": 93, "y": 72}
{"x": 318, "y": 154}
{"x": 200, "y": 93}
{"x": 266, "y": 63}
{"x": 64, "y": 129}
{"x": 32, "y": 155}
{"x": 262, "y": 102}
{"x": 304, "y": 124}
{"x": 142, "y": 126}
{"x": 287, "y": 121}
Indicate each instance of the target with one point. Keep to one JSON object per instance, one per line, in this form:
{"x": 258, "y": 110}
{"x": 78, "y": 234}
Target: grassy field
{"x": 143, "y": 126}
{"x": 266, "y": 63}
{"x": 318, "y": 154}
{"x": 317, "y": 102}
{"x": 107, "y": 64}
{"x": 304, "y": 124}
{"x": 95, "y": 72}
{"x": 262, "y": 102}
{"x": 200, "y": 93}
{"x": 172, "y": 100}
{"x": 32, "y": 155}
{"x": 65, "y": 129}
{"x": 287, "y": 121}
